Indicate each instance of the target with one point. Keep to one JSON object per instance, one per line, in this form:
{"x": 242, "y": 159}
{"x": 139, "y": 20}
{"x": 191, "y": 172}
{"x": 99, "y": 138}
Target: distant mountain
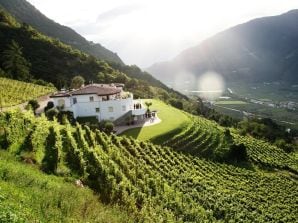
{"x": 264, "y": 49}
{"x": 27, "y": 13}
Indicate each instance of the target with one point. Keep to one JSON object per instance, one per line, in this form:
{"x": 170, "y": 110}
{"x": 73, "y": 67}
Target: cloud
{"x": 117, "y": 12}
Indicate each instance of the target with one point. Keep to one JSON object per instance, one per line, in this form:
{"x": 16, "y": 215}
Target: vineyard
{"x": 157, "y": 183}
{"x": 13, "y": 92}
{"x": 207, "y": 139}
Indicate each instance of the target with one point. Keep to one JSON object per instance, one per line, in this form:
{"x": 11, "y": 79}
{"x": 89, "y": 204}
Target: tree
{"x": 14, "y": 63}
{"x": 2, "y": 73}
{"x": 148, "y": 104}
{"x": 77, "y": 82}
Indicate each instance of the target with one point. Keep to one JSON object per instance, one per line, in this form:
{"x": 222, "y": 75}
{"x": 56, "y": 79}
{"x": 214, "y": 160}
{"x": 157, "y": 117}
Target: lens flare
{"x": 211, "y": 85}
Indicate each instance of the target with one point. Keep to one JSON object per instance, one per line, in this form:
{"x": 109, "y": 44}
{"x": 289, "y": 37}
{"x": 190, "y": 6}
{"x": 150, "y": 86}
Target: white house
{"x": 105, "y": 101}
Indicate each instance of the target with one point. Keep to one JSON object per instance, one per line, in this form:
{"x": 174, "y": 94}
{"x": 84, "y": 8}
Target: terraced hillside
{"x": 154, "y": 183}
{"x": 13, "y": 92}
{"x": 207, "y": 139}
{"x": 201, "y": 137}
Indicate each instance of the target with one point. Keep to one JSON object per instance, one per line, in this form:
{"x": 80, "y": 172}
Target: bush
{"x": 33, "y": 104}
{"x": 87, "y": 120}
{"x": 238, "y": 153}
{"x": 53, "y": 147}
{"x": 65, "y": 116}
{"x": 49, "y": 106}
{"x": 106, "y": 126}
{"x": 52, "y": 113}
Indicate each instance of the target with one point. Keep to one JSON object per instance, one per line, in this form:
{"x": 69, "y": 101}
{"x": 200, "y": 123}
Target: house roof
{"x": 99, "y": 89}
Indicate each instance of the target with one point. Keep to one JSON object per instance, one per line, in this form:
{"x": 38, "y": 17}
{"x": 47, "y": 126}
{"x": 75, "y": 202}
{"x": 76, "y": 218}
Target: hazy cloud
{"x": 117, "y": 12}
{"x": 148, "y": 31}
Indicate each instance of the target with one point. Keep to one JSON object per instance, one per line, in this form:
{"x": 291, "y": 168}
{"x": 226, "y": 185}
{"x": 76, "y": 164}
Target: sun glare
{"x": 149, "y": 31}
{"x": 211, "y": 85}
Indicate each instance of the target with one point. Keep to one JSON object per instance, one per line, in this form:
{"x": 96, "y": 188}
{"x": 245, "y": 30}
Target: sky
{"x": 144, "y": 32}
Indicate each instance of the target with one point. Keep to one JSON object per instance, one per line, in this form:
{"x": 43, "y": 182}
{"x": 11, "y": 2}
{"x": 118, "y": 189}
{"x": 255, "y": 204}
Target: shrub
{"x": 52, "y": 113}
{"x": 106, "y": 126}
{"x": 238, "y": 153}
{"x": 52, "y": 148}
{"x": 49, "y": 106}
{"x": 32, "y": 104}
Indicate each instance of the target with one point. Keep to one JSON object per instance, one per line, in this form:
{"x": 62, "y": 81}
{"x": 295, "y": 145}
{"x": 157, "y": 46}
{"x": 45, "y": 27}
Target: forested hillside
{"x": 48, "y": 59}
{"x": 27, "y": 13}
{"x": 154, "y": 183}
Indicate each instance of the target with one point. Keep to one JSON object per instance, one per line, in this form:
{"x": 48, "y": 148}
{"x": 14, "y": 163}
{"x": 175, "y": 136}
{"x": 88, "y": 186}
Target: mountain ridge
{"x": 261, "y": 49}
{"x": 27, "y": 13}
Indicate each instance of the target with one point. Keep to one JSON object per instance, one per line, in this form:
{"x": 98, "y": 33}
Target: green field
{"x": 172, "y": 120}
{"x": 229, "y": 102}
{"x": 13, "y": 92}
{"x": 282, "y": 116}
{"x": 277, "y": 91}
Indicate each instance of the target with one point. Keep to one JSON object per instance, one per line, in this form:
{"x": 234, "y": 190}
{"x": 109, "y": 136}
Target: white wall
{"x": 117, "y": 106}
{"x": 85, "y": 107}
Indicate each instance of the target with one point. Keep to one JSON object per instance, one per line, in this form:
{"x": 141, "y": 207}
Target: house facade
{"x": 105, "y": 101}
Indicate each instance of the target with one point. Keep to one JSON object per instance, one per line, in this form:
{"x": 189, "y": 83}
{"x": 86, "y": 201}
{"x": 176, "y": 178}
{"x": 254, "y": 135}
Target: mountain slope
{"x": 27, "y": 13}
{"x": 264, "y": 49}
{"x": 29, "y": 195}
{"x": 155, "y": 183}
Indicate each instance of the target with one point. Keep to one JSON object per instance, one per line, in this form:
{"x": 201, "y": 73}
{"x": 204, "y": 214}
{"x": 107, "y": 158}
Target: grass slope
{"x": 172, "y": 121}
{"x": 28, "y": 195}
{"x": 13, "y": 92}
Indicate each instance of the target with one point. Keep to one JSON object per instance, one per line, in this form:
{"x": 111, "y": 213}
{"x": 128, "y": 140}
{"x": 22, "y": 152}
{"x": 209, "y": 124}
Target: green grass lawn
{"x": 172, "y": 121}
{"x": 230, "y": 102}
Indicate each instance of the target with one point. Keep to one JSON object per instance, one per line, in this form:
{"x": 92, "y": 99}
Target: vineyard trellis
{"x": 157, "y": 183}
{"x": 13, "y": 92}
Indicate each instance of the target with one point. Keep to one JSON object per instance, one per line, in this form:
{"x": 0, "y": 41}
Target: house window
{"x": 91, "y": 98}
{"x": 111, "y": 109}
{"x": 97, "y": 110}
{"x": 74, "y": 100}
{"x": 123, "y": 107}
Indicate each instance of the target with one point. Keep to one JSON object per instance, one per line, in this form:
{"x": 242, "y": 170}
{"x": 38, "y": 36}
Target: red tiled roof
{"x": 99, "y": 89}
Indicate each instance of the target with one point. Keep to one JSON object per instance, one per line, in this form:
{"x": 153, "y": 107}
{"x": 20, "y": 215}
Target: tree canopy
{"x": 77, "y": 82}
{"x": 14, "y": 63}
